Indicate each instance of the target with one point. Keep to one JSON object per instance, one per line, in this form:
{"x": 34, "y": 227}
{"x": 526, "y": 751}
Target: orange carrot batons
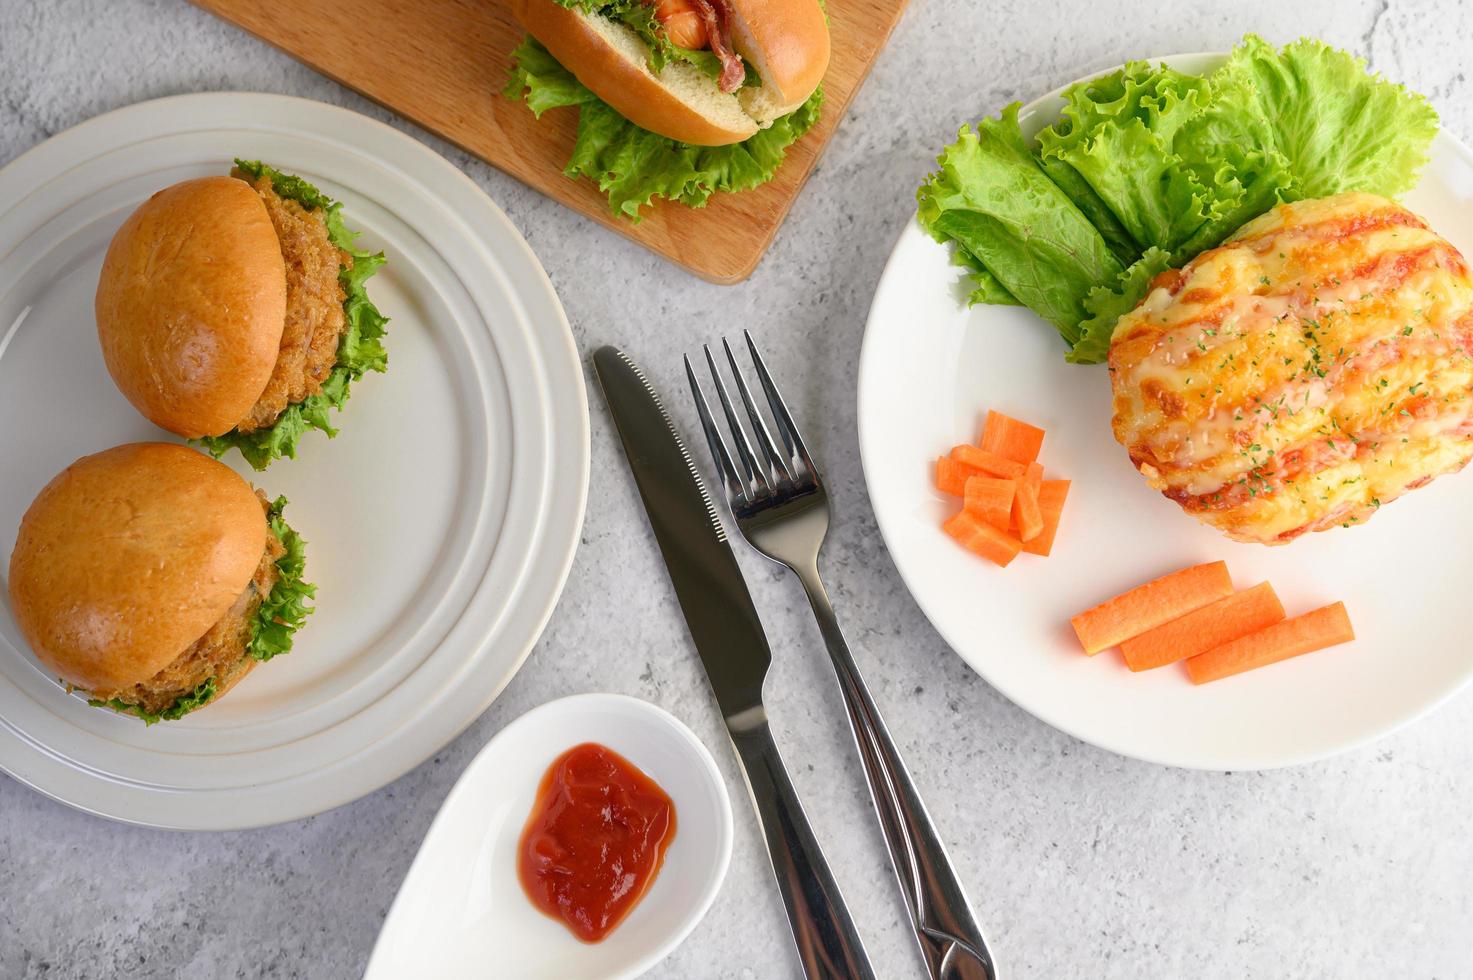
{"x": 982, "y": 538}
{"x": 988, "y": 463}
{"x": 1011, "y": 439}
{"x": 1051, "y": 497}
{"x": 1148, "y": 606}
{"x": 951, "y": 476}
{"x": 991, "y": 499}
{"x": 1214, "y": 624}
{"x": 1324, "y": 627}
{"x": 1027, "y": 514}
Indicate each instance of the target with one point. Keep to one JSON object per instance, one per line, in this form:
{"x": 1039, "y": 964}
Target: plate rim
{"x": 562, "y": 353}
{"x": 912, "y": 231}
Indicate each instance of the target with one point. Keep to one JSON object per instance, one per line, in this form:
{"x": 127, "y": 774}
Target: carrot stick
{"x": 1200, "y": 630}
{"x": 1051, "y": 497}
{"x": 1325, "y": 627}
{"x": 991, "y": 499}
{"x": 1027, "y": 514}
{"x": 989, "y": 463}
{"x": 984, "y": 539}
{"x": 1011, "y": 439}
{"x": 1148, "y": 606}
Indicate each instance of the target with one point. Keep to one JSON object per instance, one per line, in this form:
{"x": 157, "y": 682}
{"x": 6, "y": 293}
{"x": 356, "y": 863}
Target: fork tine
{"x": 780, "y": 414}
{"x": 753, "y": 469}
{"x": 735, "y": 490}
{"x": 775, "y": 462}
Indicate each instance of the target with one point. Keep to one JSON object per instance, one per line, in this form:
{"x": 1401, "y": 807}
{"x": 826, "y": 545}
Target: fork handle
{"x": 829, "y": 946}
{"x": 946, "y": 928}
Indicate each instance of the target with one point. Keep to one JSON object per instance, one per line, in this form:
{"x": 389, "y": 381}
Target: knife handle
{"x": 828, "y": 944}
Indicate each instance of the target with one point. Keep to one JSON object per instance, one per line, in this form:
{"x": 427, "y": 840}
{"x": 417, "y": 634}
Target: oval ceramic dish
{"x": 461, "y": 908}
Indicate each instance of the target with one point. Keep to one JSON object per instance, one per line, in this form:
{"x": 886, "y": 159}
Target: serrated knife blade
{"x": 708, "y": 582}
{"x": 733, "y": 648}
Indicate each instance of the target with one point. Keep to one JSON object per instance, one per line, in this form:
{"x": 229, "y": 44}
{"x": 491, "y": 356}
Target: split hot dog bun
{"x": 786, "y": 42}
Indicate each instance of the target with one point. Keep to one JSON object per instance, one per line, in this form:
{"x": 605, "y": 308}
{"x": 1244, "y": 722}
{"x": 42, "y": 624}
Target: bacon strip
{"x": 716, "y": 14}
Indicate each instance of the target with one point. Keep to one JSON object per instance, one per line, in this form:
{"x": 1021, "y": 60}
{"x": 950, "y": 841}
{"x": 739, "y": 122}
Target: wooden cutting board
{"x": 443, "y": 64}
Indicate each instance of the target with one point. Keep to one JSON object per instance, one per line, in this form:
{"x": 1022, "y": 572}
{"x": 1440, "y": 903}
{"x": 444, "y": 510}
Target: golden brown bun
{"x": 682, "y": 103}
{"x": 128, "y": 557}
{"x": 191, "y": 304}
{"x": 787, "y": 42}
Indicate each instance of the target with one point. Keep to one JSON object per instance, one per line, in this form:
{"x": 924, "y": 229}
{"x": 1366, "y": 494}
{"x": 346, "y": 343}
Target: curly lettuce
{"x": 1023, "y": 235}
{"x": 634, "y": 166}
{"x": 360, "y": 349}
{"x": 197, "y": 698}
{"x": 1164, "y": 165}
{"x": 284, "y": 611}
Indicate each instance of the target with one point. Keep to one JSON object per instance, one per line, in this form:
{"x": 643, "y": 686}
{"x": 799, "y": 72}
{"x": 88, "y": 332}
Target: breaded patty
{"x": 314, "y": 306}
{"x": 220, "y": 653}
{"x": 1304, "y": 374}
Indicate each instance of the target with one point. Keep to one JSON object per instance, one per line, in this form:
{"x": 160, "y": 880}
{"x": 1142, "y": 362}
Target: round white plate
{"x": 441, "y": 522}
{"x": 462, "y": 906}
{"x": 931, "y": 368}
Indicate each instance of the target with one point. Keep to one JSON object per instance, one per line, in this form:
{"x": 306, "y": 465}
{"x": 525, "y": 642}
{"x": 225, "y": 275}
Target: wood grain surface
{"x": 443, "y": 64}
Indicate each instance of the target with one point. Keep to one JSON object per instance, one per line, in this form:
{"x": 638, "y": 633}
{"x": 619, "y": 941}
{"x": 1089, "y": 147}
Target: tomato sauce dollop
{"x": 594, "y": 841}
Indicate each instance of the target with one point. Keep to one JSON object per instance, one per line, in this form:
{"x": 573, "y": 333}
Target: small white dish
{"x": 462, "y": 913}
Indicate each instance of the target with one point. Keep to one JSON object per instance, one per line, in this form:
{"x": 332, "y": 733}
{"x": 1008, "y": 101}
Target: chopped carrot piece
{"x": 1216, "y": 623}
{"x": 1051, "y": 497}
{"x": 990, "y": 498}
{"x": 989, "y": 463}
{"x": 1027, "y": 515}
{"x": 1325, "y": 627}
{"x": 1148, "y": 606}
{"x": 951, "y": 476}
{"x": 978, "y": 536}
{"x": 1011, "y": 439}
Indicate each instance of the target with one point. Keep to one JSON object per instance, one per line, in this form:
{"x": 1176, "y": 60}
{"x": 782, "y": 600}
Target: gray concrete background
{"x": 1081, "y": 864}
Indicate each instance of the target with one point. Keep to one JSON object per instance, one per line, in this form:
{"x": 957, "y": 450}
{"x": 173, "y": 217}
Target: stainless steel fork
{"x": 782, "y": 508}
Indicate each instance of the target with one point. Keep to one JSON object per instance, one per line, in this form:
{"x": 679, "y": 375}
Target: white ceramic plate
{"x": 931, "y": 368}
{"x": 440, "y": 523}
{"x": 461, "y": 906}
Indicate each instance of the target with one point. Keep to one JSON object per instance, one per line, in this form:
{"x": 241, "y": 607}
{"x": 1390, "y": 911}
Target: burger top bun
{"x": 191, "y": 304}
{"x": 128, "y": 557}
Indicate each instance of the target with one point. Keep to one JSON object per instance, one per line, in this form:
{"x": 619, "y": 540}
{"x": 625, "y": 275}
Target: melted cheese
{"x": 1305, "y": 373}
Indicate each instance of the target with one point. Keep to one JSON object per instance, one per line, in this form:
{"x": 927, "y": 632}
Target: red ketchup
{"x": 594, "y": 840}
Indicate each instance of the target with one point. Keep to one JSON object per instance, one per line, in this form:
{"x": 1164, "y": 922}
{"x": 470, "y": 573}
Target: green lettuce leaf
{"x": 1337, "y": 126}
{"x": 1116, "y": 133}
{"x": 284, "y": 611}
{"x": 197, "y": 698}
{"x": 1165, "y": 165}
{"x": 634, "y": 166}
{"x": 360, "y": 349}
{"x": 1108, "y": 304}
{"x": 992, "y": 198}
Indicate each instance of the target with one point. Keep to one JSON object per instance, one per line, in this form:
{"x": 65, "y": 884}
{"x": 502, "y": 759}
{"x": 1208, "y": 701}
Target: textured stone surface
{"x": 1080, "y": 863}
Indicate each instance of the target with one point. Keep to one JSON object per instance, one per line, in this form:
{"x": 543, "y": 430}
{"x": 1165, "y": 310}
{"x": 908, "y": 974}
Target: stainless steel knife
{"x": 728, "y": 636}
